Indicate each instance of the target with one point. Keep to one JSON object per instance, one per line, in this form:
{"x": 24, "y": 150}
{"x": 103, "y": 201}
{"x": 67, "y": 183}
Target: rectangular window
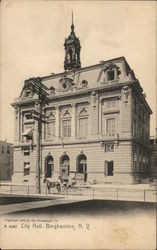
{"x": 109, "y": 147}
{"x": 66, "y": 128}
{"x": 109, "y": 170}
{"x": 8, "y": 150}
{"x": 110, "y": 127}
{"x": 50, "y": 131}
{"x": 26, "y": 151}
{"x": 27, "y": 132}
{"x": 112, "y": 103}
{"x": 26, "y": 168}
{"x": 110, "y": 75}
{"x": 83, "y": 127}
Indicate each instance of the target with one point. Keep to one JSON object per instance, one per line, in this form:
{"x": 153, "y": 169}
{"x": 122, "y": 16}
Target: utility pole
{"x": 37, "y": 87}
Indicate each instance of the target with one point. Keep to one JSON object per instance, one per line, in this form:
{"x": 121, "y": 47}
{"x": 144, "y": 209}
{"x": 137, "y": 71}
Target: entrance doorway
{"x": 64, "y": 166}
{"x": 81, "y": 167}
{"x": 82, "y": 164}
{"x": 49, "y": 166}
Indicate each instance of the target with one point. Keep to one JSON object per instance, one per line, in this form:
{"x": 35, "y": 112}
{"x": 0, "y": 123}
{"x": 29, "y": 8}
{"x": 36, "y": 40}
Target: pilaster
{"x": 73, "y": 121}
{"x": 57, "y": 122}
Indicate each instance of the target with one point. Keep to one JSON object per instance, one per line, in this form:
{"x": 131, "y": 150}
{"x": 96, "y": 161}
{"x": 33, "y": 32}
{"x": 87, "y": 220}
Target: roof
{"x": 91, "y": 74}
{"x": 7, "y": 143}
{"x": 85, "y": 79}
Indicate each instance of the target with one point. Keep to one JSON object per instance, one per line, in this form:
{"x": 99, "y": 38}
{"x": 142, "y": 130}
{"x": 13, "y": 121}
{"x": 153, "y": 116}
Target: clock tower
{"x": 72, "y": 50}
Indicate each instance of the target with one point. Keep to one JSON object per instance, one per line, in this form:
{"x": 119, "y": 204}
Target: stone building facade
{"x": 6, "y": 161}
{"x": 97, "y": 125}
{"x": 153, "y": 157}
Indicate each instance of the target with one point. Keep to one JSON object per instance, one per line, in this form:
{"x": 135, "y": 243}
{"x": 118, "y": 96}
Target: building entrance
{"x": 49, "y": 166}
{"x": 81, "y": 167}
{"x": 64, "y": 166}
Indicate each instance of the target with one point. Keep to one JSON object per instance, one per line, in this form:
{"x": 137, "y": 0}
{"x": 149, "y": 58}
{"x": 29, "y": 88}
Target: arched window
{"x": 64, "y": 166}
{"x": 49, "y": 166}
{"x": 50, "y": 127}
{"x": 66, "y": 124}
{"x": 83, "y": 123}
{"x": 81, "y": 163}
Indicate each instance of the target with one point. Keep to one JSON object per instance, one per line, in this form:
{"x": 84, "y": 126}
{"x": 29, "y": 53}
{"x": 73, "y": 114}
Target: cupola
{"x": 72, "y": 50}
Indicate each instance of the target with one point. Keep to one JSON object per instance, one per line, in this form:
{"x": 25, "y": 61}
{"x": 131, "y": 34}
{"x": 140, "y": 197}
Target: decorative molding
{"x": 83, "y": 110}
{"x": 111, "y": 112}
{"x": 66, "y": 114}
{"x": 51, "y": 116}
{"x": 94, "y": 97}
{"x": 66, "y": 83}
{"x": 16, "y": 110}
{"x": 126, "y": 90}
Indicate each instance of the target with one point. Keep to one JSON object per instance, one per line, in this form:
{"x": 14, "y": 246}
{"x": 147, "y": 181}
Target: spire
{"x": 72, "y": 50}
{"x": 72, "y": 25}
{"x": 72, "y": 16}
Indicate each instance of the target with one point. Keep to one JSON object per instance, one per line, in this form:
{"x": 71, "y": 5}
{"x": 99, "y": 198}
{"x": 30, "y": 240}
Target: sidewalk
{"x": 138, "y": 192}
{"x": 19, "y": 207}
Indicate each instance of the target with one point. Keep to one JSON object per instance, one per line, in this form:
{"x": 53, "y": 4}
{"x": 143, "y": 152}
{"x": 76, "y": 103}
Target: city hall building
{"x": 96, "y": 128}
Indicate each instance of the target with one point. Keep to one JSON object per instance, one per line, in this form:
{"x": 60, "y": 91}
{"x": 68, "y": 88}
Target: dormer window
{"x": 64, "y": 85}
{"x": 110, "y": 75}
{"x": 27, "y": 93}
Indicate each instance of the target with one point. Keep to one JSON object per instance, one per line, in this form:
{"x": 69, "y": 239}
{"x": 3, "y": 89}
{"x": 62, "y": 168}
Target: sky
{"x": 32, "y": 39}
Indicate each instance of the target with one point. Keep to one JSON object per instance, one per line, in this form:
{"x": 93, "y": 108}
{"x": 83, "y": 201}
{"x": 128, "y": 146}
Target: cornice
{"x": 78, "y": 142}
{"x": 139, "y": 93}
{"x": 77, "y": 93}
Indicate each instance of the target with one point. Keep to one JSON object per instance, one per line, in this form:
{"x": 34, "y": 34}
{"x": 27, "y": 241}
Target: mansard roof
{"x": 91, "y": 74}
{"x": 86, "y": 79}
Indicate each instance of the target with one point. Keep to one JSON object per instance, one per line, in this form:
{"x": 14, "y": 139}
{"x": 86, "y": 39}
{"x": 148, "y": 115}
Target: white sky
{"x": 33, "y": 33}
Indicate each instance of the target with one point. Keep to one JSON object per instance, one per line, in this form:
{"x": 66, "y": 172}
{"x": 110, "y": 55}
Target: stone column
{"x": 73, "y": 121}
{"x": 57, "y": 122}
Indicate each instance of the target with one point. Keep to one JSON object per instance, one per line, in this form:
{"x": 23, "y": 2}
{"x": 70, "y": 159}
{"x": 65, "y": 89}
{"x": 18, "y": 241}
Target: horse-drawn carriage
{"x": 60, "y": 184}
